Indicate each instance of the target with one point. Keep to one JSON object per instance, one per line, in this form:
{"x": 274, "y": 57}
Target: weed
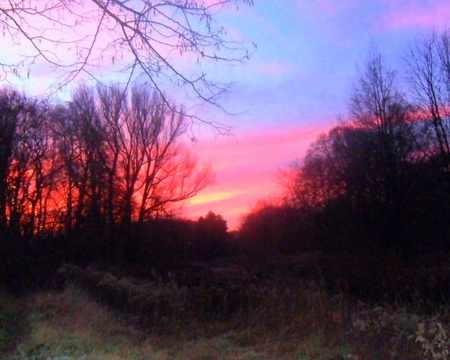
{"x": 432, "y": 334}
{"x": 272, "y": 318}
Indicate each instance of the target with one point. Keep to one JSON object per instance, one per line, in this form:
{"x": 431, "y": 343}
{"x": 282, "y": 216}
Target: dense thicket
{"x": 373, "y": 192}
{"x": 371, "y": 197}
{"x": 87, "y": 169}
{"x": 104, "y": 157}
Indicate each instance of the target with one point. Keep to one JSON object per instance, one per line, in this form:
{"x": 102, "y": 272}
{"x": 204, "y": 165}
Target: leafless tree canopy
{"x": 428, "y": 65}
{"x": 104, "y": 158}
{"x": 133, "y": 38}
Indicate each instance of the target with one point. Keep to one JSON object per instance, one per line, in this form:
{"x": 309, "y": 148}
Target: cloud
{"x": 345, "y": 24}
{"x": 213, "y": 197}
{"x": 246, "y": 167}
{"x": 332, "y": 7}
{"x": 273, "y": 67}
{"x": 325, "y": 8}
{"x": 401, "y": 14}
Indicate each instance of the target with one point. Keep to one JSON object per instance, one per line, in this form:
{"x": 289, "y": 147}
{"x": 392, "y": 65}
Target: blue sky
{"x": 297, "y": 83}
{"x": 294, "y": 86}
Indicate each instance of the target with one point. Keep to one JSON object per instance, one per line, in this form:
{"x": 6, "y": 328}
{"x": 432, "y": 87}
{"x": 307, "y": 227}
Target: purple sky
{"x": 294, "y": 86}
{"x": 297, "y": 83}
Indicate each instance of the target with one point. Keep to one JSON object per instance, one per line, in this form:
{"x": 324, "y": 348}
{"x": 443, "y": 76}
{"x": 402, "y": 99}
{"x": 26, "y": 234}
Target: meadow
{"x": 212, "y": 311}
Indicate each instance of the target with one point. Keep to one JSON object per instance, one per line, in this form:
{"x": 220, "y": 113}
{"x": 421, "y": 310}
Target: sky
{"x": 294, "y": 86}
{"x": 297, "y": 83}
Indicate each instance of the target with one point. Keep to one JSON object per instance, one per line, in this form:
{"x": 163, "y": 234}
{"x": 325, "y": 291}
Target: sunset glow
{"x": 294, "y": 86}
{"x": 247, "y": 166}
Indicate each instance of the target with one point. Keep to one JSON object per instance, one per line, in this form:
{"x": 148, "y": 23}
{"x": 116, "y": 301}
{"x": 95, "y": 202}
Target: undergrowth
{"x": 103, "y": 316}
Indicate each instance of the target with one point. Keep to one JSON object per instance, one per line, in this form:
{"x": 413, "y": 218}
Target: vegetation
{"x": 132, "y": 41}
{"x": 270, "y": 318}
{"x": 94, "y": 165}
{"x": 352, "y": 264}
{"x": 372, "y": 193}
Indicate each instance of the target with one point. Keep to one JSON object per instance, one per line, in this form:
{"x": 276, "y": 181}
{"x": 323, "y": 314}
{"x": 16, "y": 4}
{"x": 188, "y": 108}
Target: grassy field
{"x": 98, "y": 315}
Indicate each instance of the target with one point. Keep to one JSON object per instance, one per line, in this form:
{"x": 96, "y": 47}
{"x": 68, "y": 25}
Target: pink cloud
{"x": 246, "y": 167}
{"x": 328, "y": 7}
{"x": 333, "y": 7}
{"x": 423, "y": 15}
{"x": 274, "y": 68}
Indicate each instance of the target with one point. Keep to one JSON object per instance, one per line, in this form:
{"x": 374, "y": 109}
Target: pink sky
{"x": 293, "y": 87}
{"x": 246, "y": 166}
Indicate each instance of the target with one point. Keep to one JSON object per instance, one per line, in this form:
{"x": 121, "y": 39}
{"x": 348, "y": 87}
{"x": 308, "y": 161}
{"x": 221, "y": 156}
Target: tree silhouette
{"x": 135, "y": 39}
{"x": 26, "y": 164}
{"x": 428, "y": 66}
{"x": 357, "y": 179}
{"x": 211, "y": 236}
{"x": 107, "y": 157}
{"x": 11, "y": 109}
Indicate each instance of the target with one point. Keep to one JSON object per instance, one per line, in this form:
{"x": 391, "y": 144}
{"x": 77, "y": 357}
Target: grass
{"x": 273, "y": 320}
{"x": 70, "y": 325}
{"x": 13, "y": 322}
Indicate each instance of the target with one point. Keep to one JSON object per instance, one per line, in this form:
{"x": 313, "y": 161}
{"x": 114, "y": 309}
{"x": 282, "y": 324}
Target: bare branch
{"x": 94, "y": 39}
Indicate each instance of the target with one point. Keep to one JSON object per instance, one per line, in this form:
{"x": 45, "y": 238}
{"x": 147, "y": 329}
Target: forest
{"x": 100, "y": 177}
{"x": 357, "y": 247}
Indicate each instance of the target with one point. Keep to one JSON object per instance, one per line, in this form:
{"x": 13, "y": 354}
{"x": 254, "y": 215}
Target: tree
{"x": 11, "y": 107}
{"x": 156, "y": 170}
{"x": 133, "y": 38}
{"x": 32, "y": 170}
{"x": 271, "y": 229}
{"x": 81, "y": 144}
{"x": 378, "y": 107}
{"x": 112, "y": 103}
{"x": 213, "y": 223}
{"x": 26, "y": 164}
{"x": 122, "y": 160}
{"x": 356, "y": 180}
{"x": 211, "y": 235}
{"x": 314, "y": 181}
{"x": 428, "y": 66}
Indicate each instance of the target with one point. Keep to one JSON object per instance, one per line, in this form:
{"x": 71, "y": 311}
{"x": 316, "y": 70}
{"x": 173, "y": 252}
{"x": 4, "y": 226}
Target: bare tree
{"x": 179, "y": 179}
{"x": 112, "y": 105}
{"x": 364, "y": 160}
{"x": 378, "y": 107}
{"x": 157, "y": 171}
{"x": 313, "y": 181}
{"x": 11, "y": 108}
{"x": 81, "y": 144}
{"x": 428, "y": 65}
{"x": 135, "y": 38}
{"x": 33, "y": 169}
{"x": 27, "y": 164}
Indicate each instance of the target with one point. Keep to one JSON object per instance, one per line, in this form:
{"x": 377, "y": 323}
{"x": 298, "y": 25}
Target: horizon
{"x": 294, "y": 87}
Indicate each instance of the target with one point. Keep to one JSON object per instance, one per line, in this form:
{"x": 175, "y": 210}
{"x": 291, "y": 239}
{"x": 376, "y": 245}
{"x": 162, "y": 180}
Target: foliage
{"x": 433, "y": 336}
{"x": 281, "y": 318}
{"x": 211, "y": 236}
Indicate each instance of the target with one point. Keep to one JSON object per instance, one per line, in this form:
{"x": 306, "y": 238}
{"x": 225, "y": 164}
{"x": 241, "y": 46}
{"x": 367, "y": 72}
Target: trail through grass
{"x": 280, "y": 322}
{"x": 70, "y": 325}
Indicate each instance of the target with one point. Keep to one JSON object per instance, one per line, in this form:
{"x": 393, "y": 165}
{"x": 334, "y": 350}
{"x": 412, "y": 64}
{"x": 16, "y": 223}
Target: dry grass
{"x": 70, "y": 325}
{"x": 280, "y": 321}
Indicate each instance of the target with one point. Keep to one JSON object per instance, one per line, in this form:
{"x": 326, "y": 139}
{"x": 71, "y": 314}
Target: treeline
{"x": 89, "y": 168}
{"x": 378, "y": 182}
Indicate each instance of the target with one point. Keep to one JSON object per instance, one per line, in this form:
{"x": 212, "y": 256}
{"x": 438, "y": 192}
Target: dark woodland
{"x": 91, "y": 187}
{"x": 99, "y": 178}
